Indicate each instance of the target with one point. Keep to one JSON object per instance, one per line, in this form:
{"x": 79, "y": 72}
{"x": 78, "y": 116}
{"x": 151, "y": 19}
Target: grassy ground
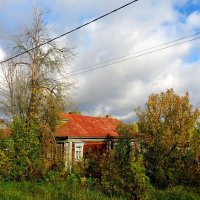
{"x": 71, "y": 190}
{"x": 49, "y": 191}
{"x": 175, "y": 193}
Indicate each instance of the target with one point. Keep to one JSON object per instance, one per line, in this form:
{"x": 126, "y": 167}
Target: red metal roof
{"x": 5, "y": 132}
{"x": 87, "y": 126}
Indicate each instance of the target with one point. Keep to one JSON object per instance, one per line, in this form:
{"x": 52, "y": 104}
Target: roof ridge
{"x": 79, "y": 115}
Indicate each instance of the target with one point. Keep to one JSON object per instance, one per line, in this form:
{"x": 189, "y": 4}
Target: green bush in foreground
{"x": 119, "y": 171}
{"x": 20, "y": 153}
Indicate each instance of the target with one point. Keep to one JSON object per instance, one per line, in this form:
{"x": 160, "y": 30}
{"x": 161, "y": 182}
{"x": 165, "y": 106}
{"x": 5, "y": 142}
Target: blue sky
{"x": 188, "y": 7}
{"x": 120, "y": 88}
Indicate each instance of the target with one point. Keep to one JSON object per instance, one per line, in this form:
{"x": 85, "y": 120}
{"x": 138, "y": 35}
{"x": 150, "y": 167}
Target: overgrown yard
{"x": 49, "y": 191}
{"x": 73, "y": 190}
{"x": 166, "y": 167}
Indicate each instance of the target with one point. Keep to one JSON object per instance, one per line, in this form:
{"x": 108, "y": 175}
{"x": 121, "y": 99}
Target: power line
{"x": 137, "y": 56}
{"x": 117, "y": 58}
{"x": 75, "y": 29}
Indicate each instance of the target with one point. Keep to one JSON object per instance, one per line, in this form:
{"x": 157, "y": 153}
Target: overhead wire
{"x": 92, "y": 68}
{"x": 136, "y": 52}
{"x": 75, "y": 29}
{"x": 115, "y": 60}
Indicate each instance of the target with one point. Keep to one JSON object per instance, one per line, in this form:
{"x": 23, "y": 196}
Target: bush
{"x": 120, "y": 171}
{"x": 7, "y": 165}
{"x": 130, "y": 182}
{"x": 175, "y": 193}
{"x": 20, "y": 154}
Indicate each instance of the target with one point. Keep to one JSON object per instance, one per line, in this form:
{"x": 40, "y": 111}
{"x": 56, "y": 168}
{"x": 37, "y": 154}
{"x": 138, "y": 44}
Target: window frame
{"x": 78, "y": 156}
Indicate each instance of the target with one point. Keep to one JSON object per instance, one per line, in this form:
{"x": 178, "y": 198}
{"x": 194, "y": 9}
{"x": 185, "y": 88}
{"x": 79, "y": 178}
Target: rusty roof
{"x": 5, "y": 132}
{"x": 75, "y": 125}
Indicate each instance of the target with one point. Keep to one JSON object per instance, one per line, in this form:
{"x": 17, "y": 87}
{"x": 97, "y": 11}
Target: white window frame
{"x": 78, "y": 151}
{"x": 114, "y": 144}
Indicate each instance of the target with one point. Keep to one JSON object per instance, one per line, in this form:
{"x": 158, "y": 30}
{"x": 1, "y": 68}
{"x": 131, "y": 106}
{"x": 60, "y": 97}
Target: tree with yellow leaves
{"x": 167, "y": 123}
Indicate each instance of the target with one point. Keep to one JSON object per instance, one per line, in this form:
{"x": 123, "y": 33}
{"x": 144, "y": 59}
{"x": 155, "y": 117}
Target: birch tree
{"x": 37, "y": 75}
{"x": 35, "y": 86}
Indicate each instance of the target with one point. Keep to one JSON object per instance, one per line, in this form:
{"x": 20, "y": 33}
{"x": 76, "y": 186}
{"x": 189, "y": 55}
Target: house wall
{"x": 94, "y": 147}
{"x": 89, "y": 146}
{"x": 73, "y": 152}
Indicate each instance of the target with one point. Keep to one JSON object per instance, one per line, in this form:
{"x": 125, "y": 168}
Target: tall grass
{"x": 64, "y": 190}
{"x": 70, "y": 189}
{"x": 175, "y": 193}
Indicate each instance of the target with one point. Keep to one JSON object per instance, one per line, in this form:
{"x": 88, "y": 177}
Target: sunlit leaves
{"x": 168, "y": 122}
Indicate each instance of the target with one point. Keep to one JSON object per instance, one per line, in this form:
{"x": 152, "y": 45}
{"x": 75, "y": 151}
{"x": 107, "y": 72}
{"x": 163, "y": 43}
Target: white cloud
{"x": 120, "y": 88}
{"x": 194, "y": 19}
{"x": 2, "y": 54}
{"x": 127, "y": 85}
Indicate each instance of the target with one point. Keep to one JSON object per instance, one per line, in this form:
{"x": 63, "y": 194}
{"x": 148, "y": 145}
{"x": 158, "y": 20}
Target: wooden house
{"x": 80, "y": 134}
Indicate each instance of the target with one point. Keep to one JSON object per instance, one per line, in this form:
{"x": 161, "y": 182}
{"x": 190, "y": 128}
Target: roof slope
{"x": 4, "y": 132}
{"x": 87, "y": 126}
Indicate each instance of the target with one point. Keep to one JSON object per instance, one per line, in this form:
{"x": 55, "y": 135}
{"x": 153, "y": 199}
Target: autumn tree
{"x": 167, "y": 123}
{"x": 35, "y": 87}
{"x": 37, "y": 74}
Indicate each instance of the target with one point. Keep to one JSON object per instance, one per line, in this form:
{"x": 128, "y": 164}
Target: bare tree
{"x": 37, "y": 74}
{"x": 14, "y": 91}
{"x": 35, "y": 86}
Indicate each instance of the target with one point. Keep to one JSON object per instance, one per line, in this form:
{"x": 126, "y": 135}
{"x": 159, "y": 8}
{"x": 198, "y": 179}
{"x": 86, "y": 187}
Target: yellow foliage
{"x": 168, "y": 119}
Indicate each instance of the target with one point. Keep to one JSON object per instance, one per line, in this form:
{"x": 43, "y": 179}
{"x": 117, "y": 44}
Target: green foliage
{"x": 120, "y": 171}
{"x": 27, "y": 149}
{"x": 190, "y": 172}
{"x": 30, "y": 92}
{"x": 175, "y": 193}
{"x": 111, "y": 183}
{"x": 51, "y": 106}
{"x": 53, "y": 176}
{"x": 167, "y": 123}
{"x": 20, "y": 153}
{"x": 124, "y": 149}
{"x": 131, "y": 183}
{"x": 75, "y": 111}
{"x": 7, "y": 164}
{"x": 135, "y": 127}
{"x": 92, "y": 165}
{"x": 66, "y": 190}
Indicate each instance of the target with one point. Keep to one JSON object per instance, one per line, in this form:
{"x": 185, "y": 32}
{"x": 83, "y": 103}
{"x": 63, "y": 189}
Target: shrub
{"x": 27, "y": 149}
{"x": 6, "y": 158}
{"x": 20, "y": 157}
{"x": 120, "y": 171}
{"x": 175, "y": 193}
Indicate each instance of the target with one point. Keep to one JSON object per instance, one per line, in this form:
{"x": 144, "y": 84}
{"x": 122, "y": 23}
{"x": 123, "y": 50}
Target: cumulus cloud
{"x": 194, "y": 19}
{"x": 120, "y": 88}
{"x": 125, "y": 86}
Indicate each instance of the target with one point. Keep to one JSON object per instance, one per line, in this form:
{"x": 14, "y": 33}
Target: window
{"x": 109, "y": 145}
{"x": 78, "y": 151}
{"x": 114, "y": 144}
